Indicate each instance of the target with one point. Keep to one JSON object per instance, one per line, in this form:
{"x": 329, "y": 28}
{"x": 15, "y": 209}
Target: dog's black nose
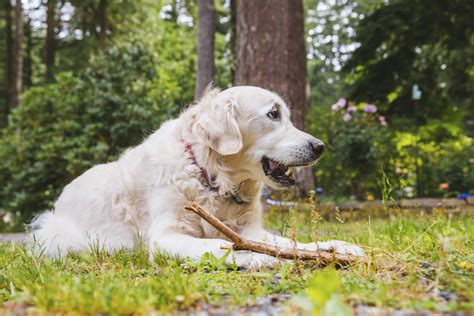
{"x": 317, "y": 147}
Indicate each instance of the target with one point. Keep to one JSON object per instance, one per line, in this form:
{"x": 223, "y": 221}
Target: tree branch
{"x": 240, "y": 243}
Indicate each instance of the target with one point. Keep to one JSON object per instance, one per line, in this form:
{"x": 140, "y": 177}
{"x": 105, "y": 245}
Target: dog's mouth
{"x": 278, "y": 172}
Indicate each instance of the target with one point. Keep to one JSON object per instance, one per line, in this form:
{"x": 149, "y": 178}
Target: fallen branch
{"x": 240, "y": 243}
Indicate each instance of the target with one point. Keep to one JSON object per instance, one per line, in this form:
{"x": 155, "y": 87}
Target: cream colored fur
{"x": 144, "y": 192}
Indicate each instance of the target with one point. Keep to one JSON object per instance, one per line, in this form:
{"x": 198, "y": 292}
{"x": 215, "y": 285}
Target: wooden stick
{"x": 240, "y": 243}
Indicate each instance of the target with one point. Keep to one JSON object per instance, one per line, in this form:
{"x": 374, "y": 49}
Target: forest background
{"x": 387, "y": 85}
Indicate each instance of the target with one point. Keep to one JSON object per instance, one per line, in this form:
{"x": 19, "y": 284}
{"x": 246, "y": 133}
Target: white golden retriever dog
{"x": 220, "y": 152}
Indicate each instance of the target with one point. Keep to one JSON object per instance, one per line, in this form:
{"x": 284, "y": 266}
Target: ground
{"x": 432, "y": 250}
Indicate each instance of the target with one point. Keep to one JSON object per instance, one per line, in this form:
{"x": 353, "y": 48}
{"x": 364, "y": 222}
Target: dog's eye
{"x": 274, "y": 114}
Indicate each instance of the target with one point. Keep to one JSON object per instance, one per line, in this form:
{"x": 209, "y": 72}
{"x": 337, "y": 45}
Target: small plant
{"x": 386, "y": 190}
{"x": 210, "y": 263}
{"x": 323, "y": 295}
{"x": 315, "y": 215}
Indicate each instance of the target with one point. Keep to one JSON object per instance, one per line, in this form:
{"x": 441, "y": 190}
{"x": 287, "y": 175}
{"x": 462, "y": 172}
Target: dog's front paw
{"x": 337, "y": 246}
{"x": 250, "y": 260}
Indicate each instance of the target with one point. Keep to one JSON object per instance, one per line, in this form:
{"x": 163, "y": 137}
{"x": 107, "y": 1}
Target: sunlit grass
{"x": 434, "y": 254}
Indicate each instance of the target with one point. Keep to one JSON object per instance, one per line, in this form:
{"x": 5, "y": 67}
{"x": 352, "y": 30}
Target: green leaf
{"x": 322, "y": 286}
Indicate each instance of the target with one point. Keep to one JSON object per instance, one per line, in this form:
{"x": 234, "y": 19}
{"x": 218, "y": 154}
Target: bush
{"x": 62, "y": 129}
{"x": 357, "y": 141}
{"x": 360, "y": 147}
{"x": 444, "y": 163}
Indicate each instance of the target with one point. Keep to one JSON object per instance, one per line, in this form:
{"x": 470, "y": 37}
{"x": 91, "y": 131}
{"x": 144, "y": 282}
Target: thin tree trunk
{"x": 103, "y": 24}
{"x": 16, "y": 78}
{"x": 28, "y": 72}
{"x": 271, "y": 54}
{"x": 205, "y": 46}
{"x": 8, "y": 53}
{"x": 174, "y": 12}
{"x": 50, "y": 40}
{"x": 233, "y": 38}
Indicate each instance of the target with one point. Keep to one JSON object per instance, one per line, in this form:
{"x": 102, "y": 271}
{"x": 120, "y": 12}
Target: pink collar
{"x": 189, "y": 149}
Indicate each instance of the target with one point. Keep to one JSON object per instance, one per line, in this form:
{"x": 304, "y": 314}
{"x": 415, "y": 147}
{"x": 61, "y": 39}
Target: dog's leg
{"x": 342, "y": 247}
{"x": 185, "y": 246}
{"x": 168, "y": 234}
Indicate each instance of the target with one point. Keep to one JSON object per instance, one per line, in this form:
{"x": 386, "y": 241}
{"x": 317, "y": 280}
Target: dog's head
{"x": 251, "y": 129}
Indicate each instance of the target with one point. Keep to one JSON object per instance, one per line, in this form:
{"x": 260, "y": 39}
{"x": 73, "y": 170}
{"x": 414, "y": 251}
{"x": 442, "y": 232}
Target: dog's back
{"x": 90, "y": 212}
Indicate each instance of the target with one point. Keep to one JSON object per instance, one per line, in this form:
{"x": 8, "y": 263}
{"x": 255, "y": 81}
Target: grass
{"x": 434, "y": 251}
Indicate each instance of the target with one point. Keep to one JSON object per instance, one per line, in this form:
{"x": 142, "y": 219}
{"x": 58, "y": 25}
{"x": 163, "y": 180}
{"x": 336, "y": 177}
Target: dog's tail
{"x": 55, "y": 235}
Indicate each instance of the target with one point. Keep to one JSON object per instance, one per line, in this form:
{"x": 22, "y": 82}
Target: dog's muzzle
{"x": 282, "y": 173}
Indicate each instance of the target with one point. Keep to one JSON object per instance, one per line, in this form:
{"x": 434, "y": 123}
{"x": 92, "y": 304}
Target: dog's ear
{"x": 217, "y": 126}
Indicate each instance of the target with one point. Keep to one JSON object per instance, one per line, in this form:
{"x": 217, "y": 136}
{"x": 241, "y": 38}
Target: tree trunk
{"x": 8, "y": 53}
{"x": 233, "y": 38}
{"x": 50, "y": 40}
{"x": 16, "y": 78}
{"x": 28, "y": 72}
{"x": 205, "y": 46}
{"x": 271, "y": 54}
{"x": 103, "y": 25}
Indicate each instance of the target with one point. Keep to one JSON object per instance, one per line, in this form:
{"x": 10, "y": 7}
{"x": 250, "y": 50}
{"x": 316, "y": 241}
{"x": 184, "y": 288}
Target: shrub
{"x": 357, "y": 141}
{"x": 445, "y": 165}
{"x": 62, "y": 129}
{"x": 360, "y": 146}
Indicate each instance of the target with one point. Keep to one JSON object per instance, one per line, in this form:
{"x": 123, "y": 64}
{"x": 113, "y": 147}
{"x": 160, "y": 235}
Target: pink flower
{"x": 382, "y": 121}
{"x": 370, "y": 108}
{"x": 346, "y": 117}
{"x": 351, "y": 108}
{"x": 339, "y": 104}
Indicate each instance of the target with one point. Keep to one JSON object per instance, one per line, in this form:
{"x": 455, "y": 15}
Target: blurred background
{"x": 387, "y": 85}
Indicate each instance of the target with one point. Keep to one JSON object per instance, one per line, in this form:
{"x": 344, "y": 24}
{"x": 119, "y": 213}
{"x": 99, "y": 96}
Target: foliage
{"x": 109, "y": 101}
{"x": 64, "y": 128}
{"x": 331, "y": 30}
{"x": 362, "y": 49}
{"x": 80, "y": 36}
{"x": 382, "y": 58}
{"x": 360, "y": 144}
{"x": 434, "y": 250}
{"x": 405, "y": 42}
{"x": 357, "y": 140}
{"x": 442, "y": 156}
